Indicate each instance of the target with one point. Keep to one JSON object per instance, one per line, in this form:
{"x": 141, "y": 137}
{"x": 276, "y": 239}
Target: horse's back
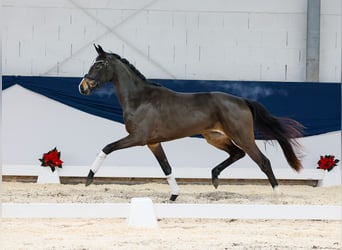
{"x": 229, "y": 102}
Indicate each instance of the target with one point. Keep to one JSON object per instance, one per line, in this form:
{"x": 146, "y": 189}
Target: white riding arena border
{"x": 204, "y": 211}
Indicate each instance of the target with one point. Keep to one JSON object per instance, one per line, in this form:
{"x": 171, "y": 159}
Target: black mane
{"x": 134, "y": 69}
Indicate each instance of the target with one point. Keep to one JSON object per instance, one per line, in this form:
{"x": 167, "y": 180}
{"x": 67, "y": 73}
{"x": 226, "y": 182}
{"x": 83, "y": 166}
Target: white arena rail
{"x": 217, "y": 211}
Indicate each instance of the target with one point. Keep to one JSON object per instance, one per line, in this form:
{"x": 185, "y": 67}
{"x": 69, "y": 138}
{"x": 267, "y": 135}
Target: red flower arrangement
{"x": 328, "y": 162}
{"x": 52, "y": 159}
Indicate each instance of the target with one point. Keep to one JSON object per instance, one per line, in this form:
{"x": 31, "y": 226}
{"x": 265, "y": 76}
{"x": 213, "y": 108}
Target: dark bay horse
{"x": 155, "y": 114}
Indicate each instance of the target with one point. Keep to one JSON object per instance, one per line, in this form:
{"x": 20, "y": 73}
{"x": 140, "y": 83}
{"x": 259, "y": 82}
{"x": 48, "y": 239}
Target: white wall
{"x": 193, "y": 39}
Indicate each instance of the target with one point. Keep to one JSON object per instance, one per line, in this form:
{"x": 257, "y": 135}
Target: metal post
{"x": 312, "y": 40}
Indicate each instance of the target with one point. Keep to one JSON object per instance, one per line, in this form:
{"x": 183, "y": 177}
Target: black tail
{"x": 284, "y": 130}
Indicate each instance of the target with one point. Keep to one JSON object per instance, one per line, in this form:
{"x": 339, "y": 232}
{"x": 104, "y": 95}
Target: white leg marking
{"x": 98, "y": 162}
{"x": 173, "y": 184}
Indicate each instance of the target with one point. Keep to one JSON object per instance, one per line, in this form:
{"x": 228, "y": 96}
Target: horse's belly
{"x": 169, "y": 130}
{"x": 169, "y": 122}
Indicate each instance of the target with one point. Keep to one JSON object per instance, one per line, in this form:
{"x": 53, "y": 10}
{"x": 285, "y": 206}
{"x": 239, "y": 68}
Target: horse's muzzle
{"x": 84, "y": 86}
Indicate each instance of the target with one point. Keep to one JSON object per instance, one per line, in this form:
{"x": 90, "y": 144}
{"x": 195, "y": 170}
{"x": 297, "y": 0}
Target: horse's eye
{"x": 98, "y": 66}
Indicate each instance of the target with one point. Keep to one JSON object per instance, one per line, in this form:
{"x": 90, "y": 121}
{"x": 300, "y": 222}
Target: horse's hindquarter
{"x": 234, "y": 114}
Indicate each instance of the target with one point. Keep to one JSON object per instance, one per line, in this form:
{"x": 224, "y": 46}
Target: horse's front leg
{"x": 158, "y": 152}
{"x": 126, "y": 142}
{"x": 94, "y": 167}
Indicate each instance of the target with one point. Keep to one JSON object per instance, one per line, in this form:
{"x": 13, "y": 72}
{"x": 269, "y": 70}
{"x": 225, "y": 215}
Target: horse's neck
{"x": 128, "y": 88}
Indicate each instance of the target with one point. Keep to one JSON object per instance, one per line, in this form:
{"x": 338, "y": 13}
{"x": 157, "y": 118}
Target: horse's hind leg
{"x": 263, "y": 162}
{"x": 158, "y": 152}
{"x": 224, "y": 143}
{"x": 235, "y": 154}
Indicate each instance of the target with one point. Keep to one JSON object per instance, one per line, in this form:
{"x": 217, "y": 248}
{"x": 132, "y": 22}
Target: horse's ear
{"x": 99, "y": 50}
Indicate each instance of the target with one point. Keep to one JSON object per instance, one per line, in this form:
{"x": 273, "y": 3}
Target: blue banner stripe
{"x": 316, "y": 105}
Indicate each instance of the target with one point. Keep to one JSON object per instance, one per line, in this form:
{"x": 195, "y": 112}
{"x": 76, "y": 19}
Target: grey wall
{"x": 193, "y": 39}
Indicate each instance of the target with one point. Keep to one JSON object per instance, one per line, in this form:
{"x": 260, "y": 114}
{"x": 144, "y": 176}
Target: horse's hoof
{"x": 89, "y": 181}
{"x": 173, "y": 197}
{"x": 215, "y": 182}
{"x": 90, "y": 178}
{"x": 214, "y": 177}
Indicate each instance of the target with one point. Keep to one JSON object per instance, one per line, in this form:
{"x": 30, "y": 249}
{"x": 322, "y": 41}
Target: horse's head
{"x": 99, "y": 73}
